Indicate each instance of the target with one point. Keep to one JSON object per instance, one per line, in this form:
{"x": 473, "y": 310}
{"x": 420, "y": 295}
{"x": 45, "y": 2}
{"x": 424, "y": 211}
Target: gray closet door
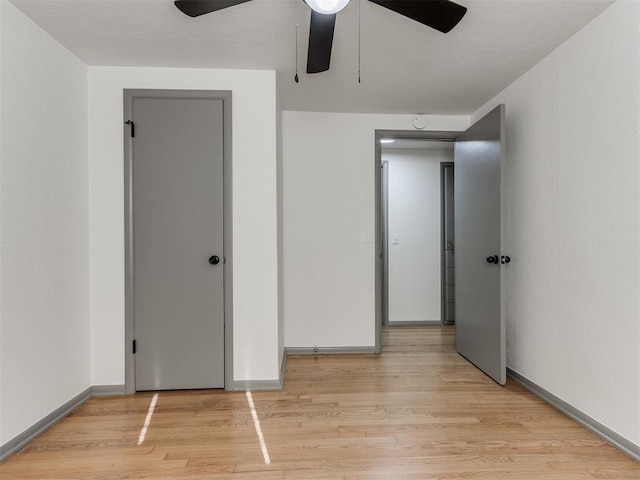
{"x": 177, "y": 226}
{"x": 480, "y": 320}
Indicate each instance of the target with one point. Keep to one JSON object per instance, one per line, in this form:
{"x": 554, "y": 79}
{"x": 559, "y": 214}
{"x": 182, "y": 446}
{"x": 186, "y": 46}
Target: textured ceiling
{"x": 405, "y": 67}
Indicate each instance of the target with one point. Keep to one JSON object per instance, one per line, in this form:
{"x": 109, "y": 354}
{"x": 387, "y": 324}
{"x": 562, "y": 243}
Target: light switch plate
{"x": 365, "y": 237}
{"x": 395, "y": 238}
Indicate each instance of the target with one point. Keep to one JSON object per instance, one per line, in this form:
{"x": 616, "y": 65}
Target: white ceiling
{"x": 405, "y": 66}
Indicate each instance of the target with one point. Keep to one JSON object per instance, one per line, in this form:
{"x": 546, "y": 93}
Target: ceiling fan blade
{"x": 195, "y": 8}
{"x": 320, "y": 42}
{"x": 442, "y": 15}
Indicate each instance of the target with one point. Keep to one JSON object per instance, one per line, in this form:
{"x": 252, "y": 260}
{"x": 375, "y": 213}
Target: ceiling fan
{"x": 441, "y": 15}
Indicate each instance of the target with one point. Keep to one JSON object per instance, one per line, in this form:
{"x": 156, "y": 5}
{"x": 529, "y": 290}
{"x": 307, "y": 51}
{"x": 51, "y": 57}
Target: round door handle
{"x": 214, "y": 260}
{"x": 505, "y": 259}
{"x": 493, "y": 259}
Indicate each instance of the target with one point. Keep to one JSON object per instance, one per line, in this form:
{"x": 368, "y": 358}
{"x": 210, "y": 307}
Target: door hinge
{"x": 133, "y": 128}
{"x": 134, "y": 347}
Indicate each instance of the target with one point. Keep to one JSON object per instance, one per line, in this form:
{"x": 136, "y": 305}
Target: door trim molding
{"x": 443, "y": 243}
{"x": 226, "y": 97}
{"x": 384, "y": 238}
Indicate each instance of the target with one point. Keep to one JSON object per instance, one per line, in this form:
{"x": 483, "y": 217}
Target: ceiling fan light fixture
{"x": 327, "y": 7}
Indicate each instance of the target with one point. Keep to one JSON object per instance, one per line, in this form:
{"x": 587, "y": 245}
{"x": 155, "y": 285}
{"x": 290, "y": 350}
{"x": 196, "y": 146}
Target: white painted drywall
{"x": 44, "y": 225}
{"x": 329, "y": 203}
{"x": 572, "y": 221}
{"x": 2, "y": 359}
{"x": 279, "y": 172}
{"x": 255, "y": 252}
{"x": 415, "y": 211}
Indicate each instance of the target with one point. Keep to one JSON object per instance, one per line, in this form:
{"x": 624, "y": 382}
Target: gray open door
{"x": 480, "y": 317}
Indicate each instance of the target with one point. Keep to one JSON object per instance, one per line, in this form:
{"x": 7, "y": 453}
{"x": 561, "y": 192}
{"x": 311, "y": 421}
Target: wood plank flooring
{"x": 418, "y": 411}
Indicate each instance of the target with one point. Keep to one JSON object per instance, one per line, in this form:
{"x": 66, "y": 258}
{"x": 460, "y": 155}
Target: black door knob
{"x": 493, "y": 259}
{"x": 214, "y": 260}
{"x": 505, "y": 259}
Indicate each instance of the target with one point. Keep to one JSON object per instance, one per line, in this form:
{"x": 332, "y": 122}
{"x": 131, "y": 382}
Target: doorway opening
{"x": 414, "y": 195}
{"x": 480, "y": 320}
{"x": 417, "y": 232}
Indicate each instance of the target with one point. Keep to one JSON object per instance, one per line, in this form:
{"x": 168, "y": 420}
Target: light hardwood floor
{"x": 418, "y": 411}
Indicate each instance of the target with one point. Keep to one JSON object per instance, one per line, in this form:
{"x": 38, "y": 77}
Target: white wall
{"x": 255, "y": 252}
{"x": 2, "y": 358}
{"x": 279, "y": 173}
{"x": 415, "y": 216}
{"x": 44, "y": 225}
{"x": 329, "y": 203}
{"x": 572, "y": 220}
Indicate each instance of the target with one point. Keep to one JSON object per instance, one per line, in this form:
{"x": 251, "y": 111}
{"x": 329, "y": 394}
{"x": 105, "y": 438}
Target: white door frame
{"x": 225, "y": 96}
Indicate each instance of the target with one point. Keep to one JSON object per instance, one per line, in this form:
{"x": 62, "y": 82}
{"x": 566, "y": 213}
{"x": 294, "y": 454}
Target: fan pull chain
{"x": 296, "y": 77}
{"x": 359, "y": 42}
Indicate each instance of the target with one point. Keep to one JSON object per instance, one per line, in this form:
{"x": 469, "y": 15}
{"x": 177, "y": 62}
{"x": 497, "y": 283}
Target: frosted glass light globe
{"x": 327, "y": 7}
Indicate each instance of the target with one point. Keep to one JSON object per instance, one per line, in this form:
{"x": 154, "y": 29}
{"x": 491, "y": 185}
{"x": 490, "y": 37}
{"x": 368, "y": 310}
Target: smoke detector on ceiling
{"x": 419, "y": 122}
